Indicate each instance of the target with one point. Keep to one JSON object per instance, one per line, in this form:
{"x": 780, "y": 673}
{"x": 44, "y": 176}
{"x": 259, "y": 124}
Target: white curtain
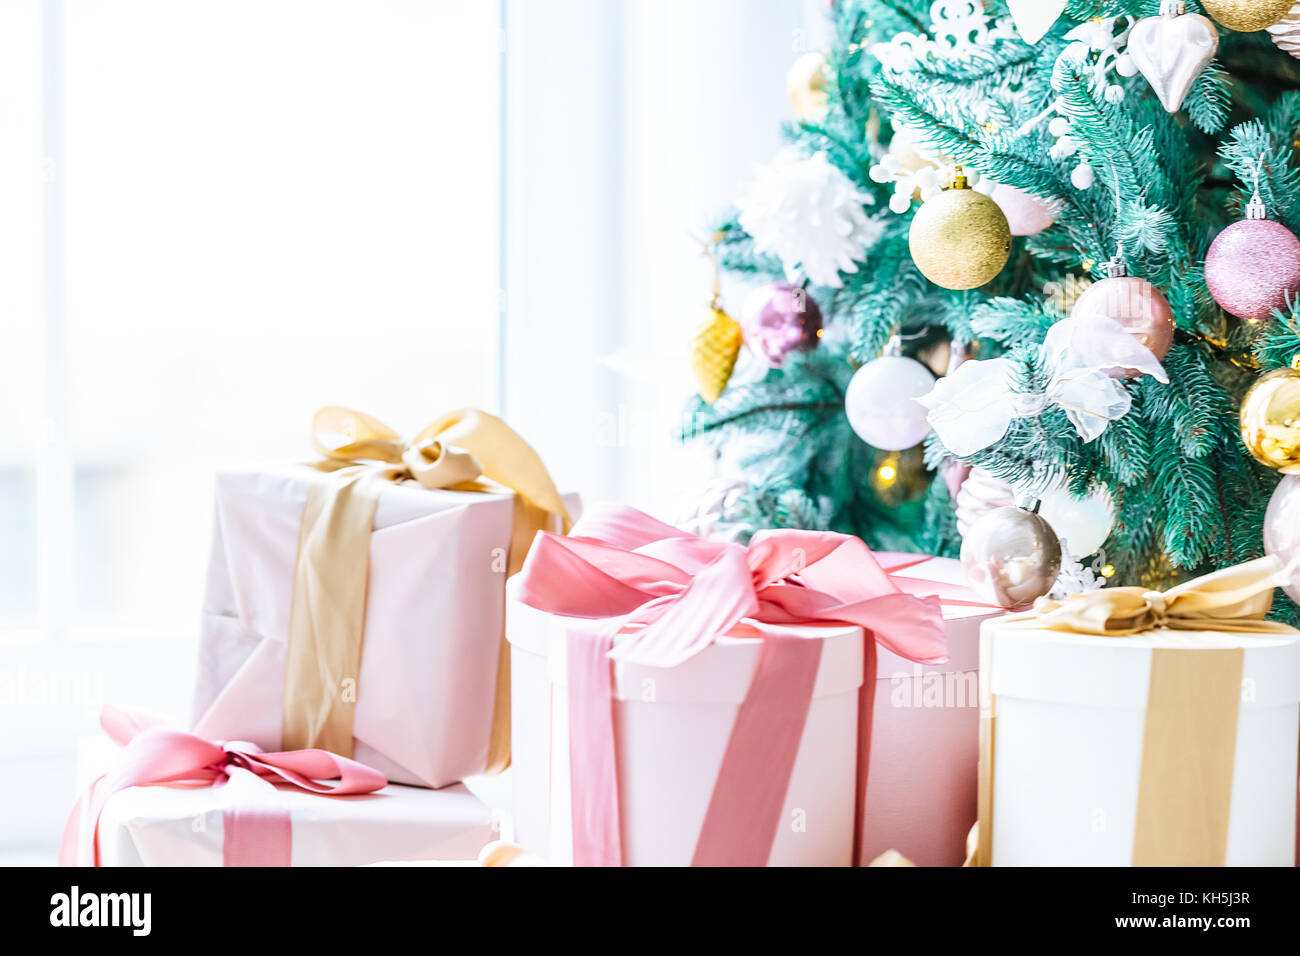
{"x": 631, "y": 125}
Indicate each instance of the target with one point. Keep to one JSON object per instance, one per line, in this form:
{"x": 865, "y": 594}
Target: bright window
{"x": 250, "y": 210}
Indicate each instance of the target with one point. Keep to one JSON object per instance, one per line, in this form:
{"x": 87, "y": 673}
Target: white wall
{"x": 629, "y": 126}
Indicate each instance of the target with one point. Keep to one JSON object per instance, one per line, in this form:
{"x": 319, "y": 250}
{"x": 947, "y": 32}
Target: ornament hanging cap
{"x": 1173, "y": 8}
{"x": 709, "y": 247}
{"x": 959, "y": 180}
{"x": 1255, "y": 209}
{"x": 1116, "y": 268}
{"x": 1028, "y": 500}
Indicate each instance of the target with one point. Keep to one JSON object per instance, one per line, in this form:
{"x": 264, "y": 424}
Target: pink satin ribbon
{"x": 622, "y": 569}
{"x": 154, "y": 755}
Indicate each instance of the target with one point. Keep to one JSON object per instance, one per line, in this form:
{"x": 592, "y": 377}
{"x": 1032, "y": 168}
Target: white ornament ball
{"x": 1083, "y": 176}
{"x": 881, "y": 405}
{"x": 1082, "y": 524}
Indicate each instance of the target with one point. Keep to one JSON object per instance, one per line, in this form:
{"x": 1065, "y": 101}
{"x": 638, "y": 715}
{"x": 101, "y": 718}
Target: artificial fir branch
{"x": 1184, "y": 490}
{"x": 1279, "y": 345}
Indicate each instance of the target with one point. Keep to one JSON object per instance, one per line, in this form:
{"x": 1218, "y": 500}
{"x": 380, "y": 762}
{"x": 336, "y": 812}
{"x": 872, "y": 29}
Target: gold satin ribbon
{"x": 1236, "y": 600}
{"x": 1193, "y": 702}
{"x": 466, "y": 450}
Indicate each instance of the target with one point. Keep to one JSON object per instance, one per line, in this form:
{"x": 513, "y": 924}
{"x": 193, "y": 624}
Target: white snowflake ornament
{"x": 1099, "y": 37}
{"x": 807, "y": 212}
{"x": 958, "y": 28}
{"x": 1075, "y": 578}
{"x": 1099, "y": 48}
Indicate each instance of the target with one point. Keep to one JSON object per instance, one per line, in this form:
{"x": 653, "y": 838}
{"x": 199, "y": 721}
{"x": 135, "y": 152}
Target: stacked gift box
{"x": 352, "y": 628}
{"x": 401, "y": 616}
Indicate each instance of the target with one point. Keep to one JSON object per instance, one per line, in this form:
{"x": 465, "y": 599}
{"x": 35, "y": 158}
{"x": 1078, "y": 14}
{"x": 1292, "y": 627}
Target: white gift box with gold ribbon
{"x": 1131, "y": 728}
{"x": 357, "y": 605}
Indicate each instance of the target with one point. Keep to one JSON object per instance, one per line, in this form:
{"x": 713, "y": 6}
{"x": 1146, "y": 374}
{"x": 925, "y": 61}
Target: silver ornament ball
{"x": 1011, "y": 557}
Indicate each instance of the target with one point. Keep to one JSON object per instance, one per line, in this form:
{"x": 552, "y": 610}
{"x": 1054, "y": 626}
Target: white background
{"x": 219, "y": 216}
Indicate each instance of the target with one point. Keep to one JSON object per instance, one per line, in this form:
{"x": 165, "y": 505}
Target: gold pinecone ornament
{"x": 714, "y": 350}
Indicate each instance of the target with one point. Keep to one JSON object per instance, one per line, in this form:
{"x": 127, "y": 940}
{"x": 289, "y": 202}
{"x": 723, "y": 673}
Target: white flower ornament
{"x": 807, "y": 212}
{"x": 973, "y": 407}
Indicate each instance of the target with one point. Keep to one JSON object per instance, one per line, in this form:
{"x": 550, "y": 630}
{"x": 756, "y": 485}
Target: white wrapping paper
{"x": 1069, "y": 715}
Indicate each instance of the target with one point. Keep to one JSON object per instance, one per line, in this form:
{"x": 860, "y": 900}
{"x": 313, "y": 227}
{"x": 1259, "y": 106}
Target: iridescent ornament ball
{"x": 1282, "y": 527}
{"x": 1252, "y": 266}
{"x": 1135, "y": 304}
{"x": 1081, "y": 523}
{"x": 778, "y": 319}
{"x": 1011, "y": 557}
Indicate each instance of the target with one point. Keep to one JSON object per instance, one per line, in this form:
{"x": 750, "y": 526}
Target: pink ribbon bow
{"x": 622, "y": 569}
{"x": 154, "y": 755}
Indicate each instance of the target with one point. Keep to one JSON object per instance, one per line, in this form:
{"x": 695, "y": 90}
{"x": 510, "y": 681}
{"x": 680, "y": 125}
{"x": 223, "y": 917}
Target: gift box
{"x": 1133, "y": 727}
{"x": 204, "y": 804}
{"x": 921, "y": 791}
{"x": 173, "y": 826}
{"x": 671, "y": 747}
{"x": 356, "y": 604}
{"x": 679, "y": 701}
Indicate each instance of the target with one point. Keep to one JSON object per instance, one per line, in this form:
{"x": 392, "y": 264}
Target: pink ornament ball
{"x": 1027, "y": 215}
{"x": 1252, "y": 266}
{"x": 778, "y": 319}
{"x": 1135, "y": 304}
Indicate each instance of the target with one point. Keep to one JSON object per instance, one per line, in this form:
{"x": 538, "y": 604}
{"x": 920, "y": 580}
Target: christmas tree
{"x": 967, "y": 177}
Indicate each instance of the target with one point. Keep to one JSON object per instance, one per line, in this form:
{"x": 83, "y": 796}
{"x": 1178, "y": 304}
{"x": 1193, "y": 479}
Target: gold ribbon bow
{"x": 345, "y": 438}
{"x": 466, "y": 450}
{"x": 1236, "y": 599}
{"x": 1193, "y": 702}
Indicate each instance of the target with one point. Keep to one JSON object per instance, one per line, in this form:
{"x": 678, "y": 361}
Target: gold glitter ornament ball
{"x": 1270, "y": 420}
{"x": 1247, "y": 16}
{"x": 714, "y": 350}
{"x": 960, "y": 239}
